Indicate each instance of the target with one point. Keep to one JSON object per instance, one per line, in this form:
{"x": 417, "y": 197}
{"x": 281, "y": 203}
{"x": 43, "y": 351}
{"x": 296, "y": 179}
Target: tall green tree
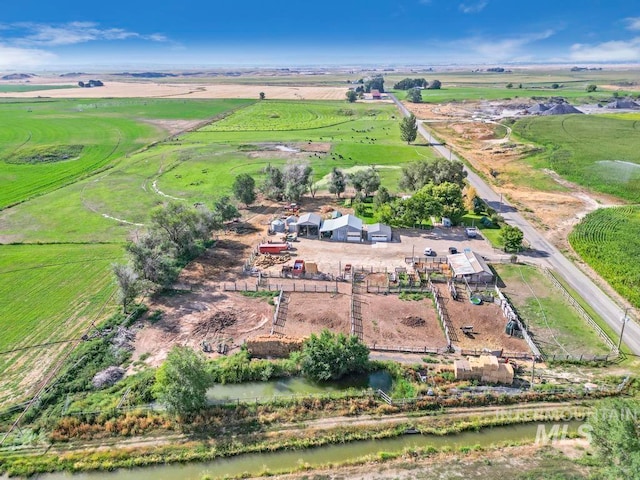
{"x": 330, "y": 356}
{"x": 381, "y": 197}
{"x": 374, "y": 83}
{"x": 244, "y": 189}
{"x": 414, "y": 95}
{"x": 129, "y": 285}
{"x": 366, "y": 181}
{"x": 435, "y": 85}
{"x": 182, "y": 382}
{"x": 511, "y": 237}
{"x": 409, "y": 128}
{"x": 337, "y": 182}
{"x": 351, "y": 95}
{"x": 297, "y": 178}
{"x": 273, "y": 185}
{"x": 416, "y": 175}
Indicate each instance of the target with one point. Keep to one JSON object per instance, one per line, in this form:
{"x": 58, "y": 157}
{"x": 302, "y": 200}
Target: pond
{"x": 288, "y": 386}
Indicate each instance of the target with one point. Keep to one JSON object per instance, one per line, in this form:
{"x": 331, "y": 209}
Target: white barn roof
{"x": 309, "y": 219}
{"x": 379, "y": 229}
{"x": 468, "y": 263}
{"x": 344, "y": 221}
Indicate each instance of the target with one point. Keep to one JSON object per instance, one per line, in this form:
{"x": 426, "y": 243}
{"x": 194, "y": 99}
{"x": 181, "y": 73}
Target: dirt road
{"x": 581, "y": 283}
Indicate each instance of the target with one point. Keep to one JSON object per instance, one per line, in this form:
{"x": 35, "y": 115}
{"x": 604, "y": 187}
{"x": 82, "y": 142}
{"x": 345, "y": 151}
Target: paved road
{"x": 589, "y": 291}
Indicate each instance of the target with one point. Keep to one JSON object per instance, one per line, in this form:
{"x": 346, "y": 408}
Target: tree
{"x": 509, "y": 85}
{"x": 337, "y": 182}
{"x": 409, "y": 128}
{"x": 591, "y": 88}
{"x": 182, "y": 382}
{"x": 375, "y": 83}
{"x": 153, "y": 259}
{"x": 273, "y": 185}
{"x": 223, "y": 211}
{"x": 555, "y": 86}
{"x": 296, "y": 177}
{"x": 352, "y": 96}
{"x": 128, "y": 282}
{"x": 511, "y": 237}
{"x": 381, "y": 197}
{"x": 331, "y": 356}
{"x": 244, "y": 189}
{"x": 409, "y": 83}
{"x": 449, "y": 195}
{"x": 178, "y": 222}
{"x": 262, "y": 96}
{"x": 615, "y": 437}
{"x": 435, "y": 85}
{"x": 414, "y": 95}
{"x": 416, "y": 175}
{"x": 366, "y": 181}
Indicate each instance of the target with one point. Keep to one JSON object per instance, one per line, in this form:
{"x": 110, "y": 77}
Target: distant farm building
{"x": 376, "y": 95}
{"x": 343, "y": 229}
{"x": 470, "y": 266}
{"x": 378, "y": 232}
{"x": 277, "y": 226}
{"x": 308, "y": 225}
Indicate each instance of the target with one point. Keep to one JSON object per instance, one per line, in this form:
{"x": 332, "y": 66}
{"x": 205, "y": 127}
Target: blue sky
{"x": 139, "y": 33}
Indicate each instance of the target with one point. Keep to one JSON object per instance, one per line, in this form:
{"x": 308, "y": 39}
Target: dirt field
{"x": 312, "y": 312}
{"x": 177, "y": 90}
{"x": 488, "y": 326}
{"x": 389, "y": 321}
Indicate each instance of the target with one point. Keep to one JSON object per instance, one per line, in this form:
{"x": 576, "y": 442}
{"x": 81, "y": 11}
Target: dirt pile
{"x": 412, "y": 321}
{"x": 267, "y": 260}
{"x": 107, "y": 377}
{"x": 215, "y": 323}
{"x": 123, "y": 339}
{"x": 274, "y": 346}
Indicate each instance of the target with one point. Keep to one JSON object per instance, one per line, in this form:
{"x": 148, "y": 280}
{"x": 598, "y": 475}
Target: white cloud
{"x": 45, "y": 35}
{"x": 11, "y": 57}
{"x": 476, "y": 7}
{"x": 613, "y": 51}
{"x": 633, "y": 23}
{"x": 480, "y": 49}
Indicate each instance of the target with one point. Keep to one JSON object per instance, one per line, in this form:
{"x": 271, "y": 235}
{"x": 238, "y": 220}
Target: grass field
{"x": 32, "y": 88}
{"x": 608, "y": 241}
{"x": 556, "y": 326}
{"x": 48, "y": 293}
{"x": 597, "y": 151}
{"x": 105, "y": 131}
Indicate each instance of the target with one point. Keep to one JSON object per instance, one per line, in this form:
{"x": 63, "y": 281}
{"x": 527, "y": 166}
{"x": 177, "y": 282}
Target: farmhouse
{"x": 375, "y": 94}
{"x": 343, "y": 229}
{"x": 308, "y": 225}
{"x": 379, "y": 232}
{"x": 470, "y": 266}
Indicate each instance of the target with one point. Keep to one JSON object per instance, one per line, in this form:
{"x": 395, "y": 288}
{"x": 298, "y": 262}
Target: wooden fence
{"x": 443, "y": 315}
{"x": 400, "y": 349}
{"x": 511, "y": 315}
{"x": 286, "y": 287}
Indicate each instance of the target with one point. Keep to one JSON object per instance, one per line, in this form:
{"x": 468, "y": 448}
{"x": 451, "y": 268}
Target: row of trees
{"x": 177, "y": 233}
{"x": 364, "y": 182}
{"x": 182, "y": 381}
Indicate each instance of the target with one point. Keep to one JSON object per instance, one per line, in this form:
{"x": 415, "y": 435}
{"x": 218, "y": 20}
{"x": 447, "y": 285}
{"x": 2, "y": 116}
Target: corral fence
{"x": 585, "y": 316}
{"x": 400, "y": 349}
{"x": 511, "y": 315}
{"x": 389, "y": 289}
{"x": 443, "y": 315}
{"x": 515, "y": 355}
{"x": 286, "y": 287}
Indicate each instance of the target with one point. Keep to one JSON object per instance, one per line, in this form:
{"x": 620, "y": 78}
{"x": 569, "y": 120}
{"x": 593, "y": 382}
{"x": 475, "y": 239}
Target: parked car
{"x": 428, "y": 252}
{"x": 453, "y": 250}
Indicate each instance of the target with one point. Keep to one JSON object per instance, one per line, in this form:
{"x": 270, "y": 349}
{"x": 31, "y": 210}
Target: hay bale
{"x": 274, "y": 346}
{"x": 107, "y": 377}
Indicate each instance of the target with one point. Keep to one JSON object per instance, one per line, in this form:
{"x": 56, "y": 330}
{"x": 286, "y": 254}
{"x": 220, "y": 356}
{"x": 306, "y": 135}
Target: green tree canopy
{"x": 182, "y": 382}
{"x": 414, "y": 95}
{"x": 409, "y": 128}
{"x": 374, "y": 83}
{"x": 244, "y": 189}
{"x": 416, "y": 175}
{"x": 330, "y": 356}
{"x": 366, "y": 181}
{"x": 511, "y": 237}
{"x": 408, "y": 83}
{"x": 351, "y": 95}
{"x": 273, "y": 185}
{"x": 381, "y": 197}
{"x": 591, "y": 88}
{"x": 337, "y": 182}
{"x": 435, "y": 85}
{"x": 129, "y": 285}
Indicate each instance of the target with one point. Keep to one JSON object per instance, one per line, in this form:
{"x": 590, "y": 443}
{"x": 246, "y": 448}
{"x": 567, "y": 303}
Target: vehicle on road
{"x": 453, "y": 250}
{"x": 428, "y": 252}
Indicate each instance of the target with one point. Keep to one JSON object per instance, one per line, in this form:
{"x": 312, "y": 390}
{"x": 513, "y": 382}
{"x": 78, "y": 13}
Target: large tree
{"x": 381, "y": 197}
{"x": 409, "y": 128}
{"x": 409, "y": 83}
{"x": 366, "y": 181}
{"x": 244, "y": 189}
{"x": 435, "y": 85}
{"x": 374, "y": 83}
{"x": 351, "y": 95}
{"x": 330, "y": 356}
{"x": 273, "y": 185}
{"x": 182, "y": 382}
{"x": 511, "y": 238}
{"x": 297, "y": 178}
{"x": 414, "y": 95}
{"x": 337, "y": 182}
{"x": 178, "y": 223}
{"x": 416, "y": 175}
{"x": 154, "y": 259}
{"x": 129, "y": 284}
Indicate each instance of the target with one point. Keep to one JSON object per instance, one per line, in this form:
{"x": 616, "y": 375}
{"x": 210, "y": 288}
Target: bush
{"x": 332, "y": 356}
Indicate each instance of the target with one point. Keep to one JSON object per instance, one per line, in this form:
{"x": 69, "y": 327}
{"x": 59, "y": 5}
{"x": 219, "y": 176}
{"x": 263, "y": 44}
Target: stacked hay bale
{"x": 486, "y": 368}
{"x": 274, "y": 346}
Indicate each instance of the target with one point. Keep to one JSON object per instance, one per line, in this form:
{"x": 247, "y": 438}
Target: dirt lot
{"x": 312, "y": 312}
{"x": 177, "y": 90}
{"x": 389, "y": 321}
{"x": 488, "y": 326}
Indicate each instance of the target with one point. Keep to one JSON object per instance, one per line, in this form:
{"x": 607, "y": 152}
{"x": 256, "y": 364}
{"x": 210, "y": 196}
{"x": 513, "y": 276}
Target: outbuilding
{"x": 277, "y": 226}
{"x": 308, "y": 225}
{"x": 347, "y": 228}
{"x": 379, "y": 232}
{"x": 470, "y": 266}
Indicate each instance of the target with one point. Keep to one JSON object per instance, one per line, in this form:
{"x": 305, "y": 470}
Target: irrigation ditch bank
{"x": 249, "y": 453}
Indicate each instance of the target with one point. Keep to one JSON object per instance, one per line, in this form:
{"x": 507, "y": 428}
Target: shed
{"x": 470, "y": 266}
{"x": 375, "y": 94}
{"x": 308, "y": 225}
{"x": 378, "y": 232}
{"x": 277, "y": 226}
{"x": 290, "y": 219}
{"x": 347, "y": 228}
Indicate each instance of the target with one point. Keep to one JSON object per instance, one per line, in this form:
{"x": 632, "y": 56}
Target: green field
{"x": 608, "y": 241}
{"x": 556, "y": 326}
{"x": 597, "y": 151}
{"x": 48, "y": 293}
{"x": 105, "y": 131}
{"x": 575, "y": 94}
{"x": 32, "y": 88}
